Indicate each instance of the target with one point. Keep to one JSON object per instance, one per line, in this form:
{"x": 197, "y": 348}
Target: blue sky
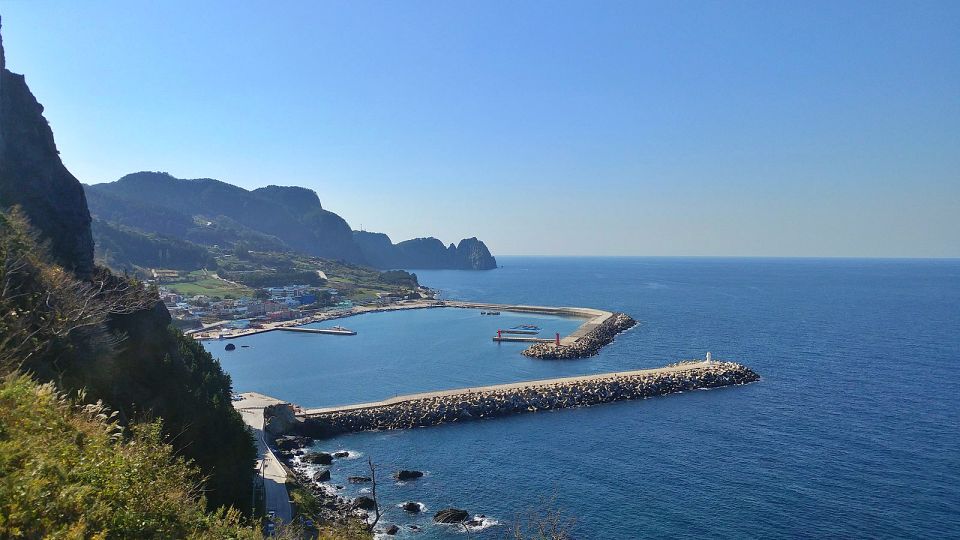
{"x": 570, "y": 128}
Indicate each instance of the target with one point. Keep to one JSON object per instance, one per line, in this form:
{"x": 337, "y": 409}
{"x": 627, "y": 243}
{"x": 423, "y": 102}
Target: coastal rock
{"x": 230, "y": 347}
{"x": 408, "y": 475}
{"x": 279, "y": 418}
{"x": 358, "y": 479}
{"x": 412, "y": 507}
{"x": 364, "y": 503}
{"x": 450, "y": 515}
{"x": 292, "y": 442}
{"x": 392, "y": 530}
{"x": 341, "y": 454}
{"x": 319, "y": 458}
{"x": 322, "y": 476}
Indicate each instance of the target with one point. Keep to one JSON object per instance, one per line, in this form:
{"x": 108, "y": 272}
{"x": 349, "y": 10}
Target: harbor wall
{"x": 489, "y": 402}
{"x": 586, "y": 343}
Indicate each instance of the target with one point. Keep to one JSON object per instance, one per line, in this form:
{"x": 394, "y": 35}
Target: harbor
{"x": 577, "y": 344}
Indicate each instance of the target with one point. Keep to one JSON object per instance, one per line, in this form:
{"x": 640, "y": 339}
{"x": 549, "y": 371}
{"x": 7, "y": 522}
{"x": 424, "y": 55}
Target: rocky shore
{"x": 586, "y": 345}
{"x": 519, "y": 398}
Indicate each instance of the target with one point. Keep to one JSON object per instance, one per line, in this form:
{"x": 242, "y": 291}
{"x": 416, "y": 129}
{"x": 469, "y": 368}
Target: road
{"x": 274, "y": 475}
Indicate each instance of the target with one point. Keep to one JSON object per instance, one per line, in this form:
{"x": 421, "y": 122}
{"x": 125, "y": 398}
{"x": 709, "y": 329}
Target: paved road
{"x": 274, "y": 475}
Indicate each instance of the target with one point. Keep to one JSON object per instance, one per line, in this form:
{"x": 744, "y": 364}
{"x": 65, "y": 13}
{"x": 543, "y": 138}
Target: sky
{"x": 674, "y": 128}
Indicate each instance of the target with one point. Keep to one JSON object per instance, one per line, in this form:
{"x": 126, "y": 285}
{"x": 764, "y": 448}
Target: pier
{"x": 330, "y": 331}
{"x": 521, "y": 339}
{"x": 433, "y": 408}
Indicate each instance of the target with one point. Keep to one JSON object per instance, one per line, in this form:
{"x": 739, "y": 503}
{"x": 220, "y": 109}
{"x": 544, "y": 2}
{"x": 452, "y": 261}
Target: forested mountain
{"x": 272, "y": 218}
{"x": 121, "y": 247}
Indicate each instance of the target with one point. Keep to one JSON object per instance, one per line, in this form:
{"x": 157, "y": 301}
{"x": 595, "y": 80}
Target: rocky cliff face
{"x": 474, "y": 255}
{"x": 33, "y": 177}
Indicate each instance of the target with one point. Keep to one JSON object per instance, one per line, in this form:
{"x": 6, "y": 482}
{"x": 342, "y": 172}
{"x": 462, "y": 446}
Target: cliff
{"x": 424, "y": 253}
{"x": 33, "y": 177}
{"x": 94, "y": 331}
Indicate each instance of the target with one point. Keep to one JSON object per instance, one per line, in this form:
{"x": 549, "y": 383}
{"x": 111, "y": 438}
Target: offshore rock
{"x": 450, "y": 515}
{"x": 408, "y": 475}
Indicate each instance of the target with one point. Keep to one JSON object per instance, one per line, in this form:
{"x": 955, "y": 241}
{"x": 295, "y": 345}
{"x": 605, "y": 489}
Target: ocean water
{"x": 853, "y": 431}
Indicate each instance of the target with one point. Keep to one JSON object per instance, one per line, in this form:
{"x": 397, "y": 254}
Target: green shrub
{"x": 72, "y": 472}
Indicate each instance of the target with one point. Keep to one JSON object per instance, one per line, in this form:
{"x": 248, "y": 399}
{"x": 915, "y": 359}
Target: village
{"x": 237, "y": 310}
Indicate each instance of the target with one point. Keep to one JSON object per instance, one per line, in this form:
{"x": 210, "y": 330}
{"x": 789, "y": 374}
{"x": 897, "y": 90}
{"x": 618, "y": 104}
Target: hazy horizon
{"x": 820, "y": 130}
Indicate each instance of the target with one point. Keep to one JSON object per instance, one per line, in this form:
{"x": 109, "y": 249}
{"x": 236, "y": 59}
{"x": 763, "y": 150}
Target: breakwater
{"x": 436, "y": 408}
{"x": 587, "y": 344}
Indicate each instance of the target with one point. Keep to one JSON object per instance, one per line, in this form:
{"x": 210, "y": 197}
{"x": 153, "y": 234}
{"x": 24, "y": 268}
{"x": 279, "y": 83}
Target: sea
{"x": 853, "y": 430}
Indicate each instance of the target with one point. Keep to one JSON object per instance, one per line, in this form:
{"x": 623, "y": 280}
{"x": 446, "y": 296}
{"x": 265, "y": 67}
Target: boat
{"x": 527, "y": 327}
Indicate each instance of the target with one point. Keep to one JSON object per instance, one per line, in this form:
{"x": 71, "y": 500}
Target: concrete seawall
{"x": 435, "y": 408}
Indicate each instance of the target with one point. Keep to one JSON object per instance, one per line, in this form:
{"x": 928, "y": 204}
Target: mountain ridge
{"x": 273, "y": 217}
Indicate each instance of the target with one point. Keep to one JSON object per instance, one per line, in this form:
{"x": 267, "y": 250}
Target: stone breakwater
{"x": 586, "y": 345}
{"x": 490, "y": 402}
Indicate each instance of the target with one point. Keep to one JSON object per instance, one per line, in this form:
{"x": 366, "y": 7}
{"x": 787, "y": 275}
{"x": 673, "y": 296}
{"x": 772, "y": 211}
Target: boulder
{"x": 392, "y": 530}
{"x": 407, "y": 475}
{"x": 320, "y": 458}
{"x": 412, "y": 507}
{"x": 450, "y": 515}
{"x": 341, "y": 454}
{"x": 363, "y": 503}
{"x": 292, "y": 442}
{"x": 230, "y": 347}
{"x": 322, "y": 476}
{"x": 358, "y": 479}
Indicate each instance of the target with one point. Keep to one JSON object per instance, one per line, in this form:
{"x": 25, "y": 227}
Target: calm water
{"x": 853, "y": 431}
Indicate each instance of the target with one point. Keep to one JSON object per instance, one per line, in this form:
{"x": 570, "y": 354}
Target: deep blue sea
{"x": 853, "y": 431}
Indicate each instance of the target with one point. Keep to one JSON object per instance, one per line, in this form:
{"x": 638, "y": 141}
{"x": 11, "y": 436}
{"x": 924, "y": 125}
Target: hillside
{"x": 271, "y": 218}
{"x": 67, "y": 321}
{"x": 119, "y": 247}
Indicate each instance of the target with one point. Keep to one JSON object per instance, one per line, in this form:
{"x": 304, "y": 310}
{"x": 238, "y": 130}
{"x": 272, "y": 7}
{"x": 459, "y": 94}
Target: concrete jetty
{"x": 330, "y": 331}
{"x": 522, "y": 339}
{"x": 433, "y": 408}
